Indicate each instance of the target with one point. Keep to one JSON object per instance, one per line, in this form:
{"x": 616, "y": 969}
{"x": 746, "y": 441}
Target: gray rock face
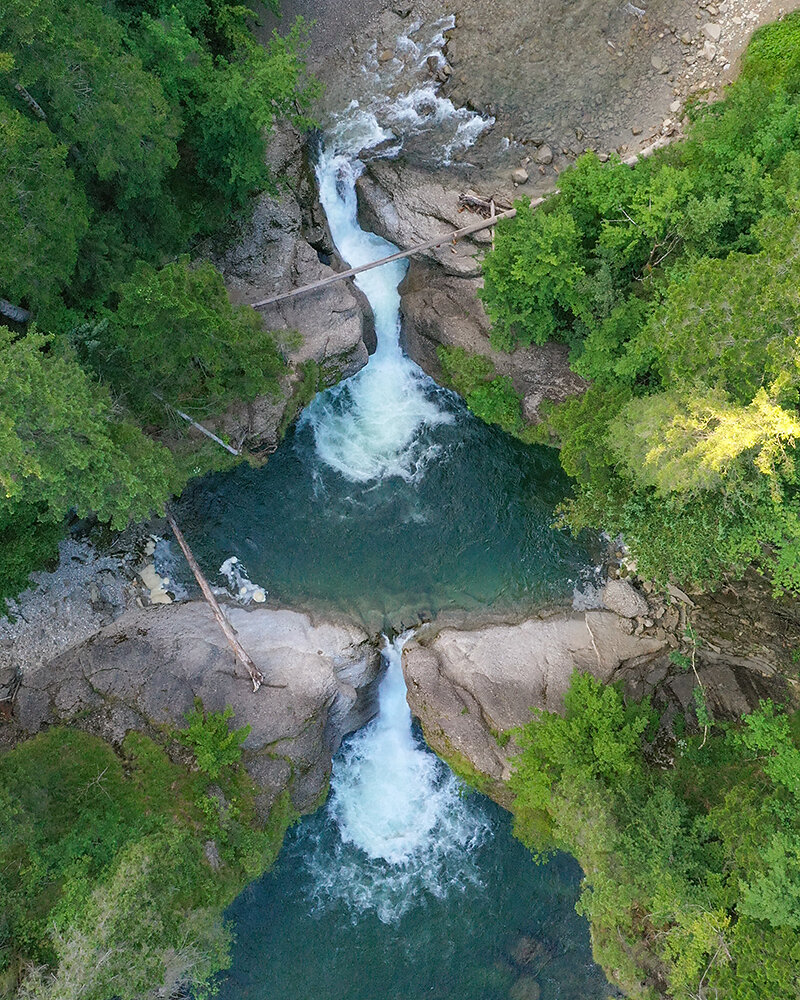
{"x": 284, "y": 246}
{"x": 145, "y": 670}
{"x": 440, "y": 309}
{"x": 410, "y": 205}
{"x": 468, "y": 685}
{"x": 623, "y": 598}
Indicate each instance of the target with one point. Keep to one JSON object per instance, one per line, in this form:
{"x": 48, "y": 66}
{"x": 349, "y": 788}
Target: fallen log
{"x": 451, "y": 237}
{"x": 238, "y": 650}
{"x": 16, "y": 313}
{"x": 194, "y": 423}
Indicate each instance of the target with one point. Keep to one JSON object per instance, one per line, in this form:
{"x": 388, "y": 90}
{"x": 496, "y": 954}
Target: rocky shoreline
{"x": 471, "y": 679}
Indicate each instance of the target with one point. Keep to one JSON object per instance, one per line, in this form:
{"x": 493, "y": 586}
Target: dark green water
{"x": 298, "y": 941}
{"x": 472, "y": 531}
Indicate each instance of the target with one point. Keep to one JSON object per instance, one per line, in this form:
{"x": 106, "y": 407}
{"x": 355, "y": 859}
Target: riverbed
{"x": 391, "y": 501}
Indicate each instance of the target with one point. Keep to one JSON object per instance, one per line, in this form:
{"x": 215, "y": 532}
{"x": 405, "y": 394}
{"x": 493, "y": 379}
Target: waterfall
{"x": 370, "y": 426}
{"x": 404, "y": 828}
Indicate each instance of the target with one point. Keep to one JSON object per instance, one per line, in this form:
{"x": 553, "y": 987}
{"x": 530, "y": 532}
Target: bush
{"x": 106, "y": 887}
{"x": 690, "y": 872}
{"x": 491, "y": 397}
{"x": 216, "y": 747}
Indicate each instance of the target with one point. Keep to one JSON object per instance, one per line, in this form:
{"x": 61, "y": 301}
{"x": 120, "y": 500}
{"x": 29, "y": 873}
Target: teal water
{"x": 500, "y": 921}
{"x": 389, "y": 501}
{"x": 473, "y": 530}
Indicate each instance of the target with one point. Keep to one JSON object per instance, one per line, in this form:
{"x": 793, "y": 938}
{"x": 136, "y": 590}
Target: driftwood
{"x": 451, "y": 237}
{"x": 31, "y": 101}
{"x": 16, "y": 313}
{"x": 198, "y": 427}
{"x": 238, "y": 650}
{"x": 487, "y": 208}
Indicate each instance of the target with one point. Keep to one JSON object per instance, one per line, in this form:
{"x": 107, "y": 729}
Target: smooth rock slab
{"x": 145, "y": 671}
{"x": 624, "y": 599}
{"x": 467, "y": 686}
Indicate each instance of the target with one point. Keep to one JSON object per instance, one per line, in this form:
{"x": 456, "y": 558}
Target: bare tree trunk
{"x": 451, "y": 237}
{"x": 17, "y": 313}
{"x": 31, "y": 101}
{"x": 199, "y": 427}
{"x": 238, "y": 651}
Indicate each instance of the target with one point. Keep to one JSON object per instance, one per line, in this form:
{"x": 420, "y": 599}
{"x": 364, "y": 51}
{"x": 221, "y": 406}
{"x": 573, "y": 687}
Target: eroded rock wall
{"x": 145, "y": 671}
{"x": 285, "y": 244}
{"x": 469, "y": 686}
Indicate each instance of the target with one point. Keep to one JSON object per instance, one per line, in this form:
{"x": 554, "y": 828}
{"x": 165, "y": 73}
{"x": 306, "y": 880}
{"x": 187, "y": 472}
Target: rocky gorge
{"x": 470, "y": 681}
{"x": 140, "y": 662}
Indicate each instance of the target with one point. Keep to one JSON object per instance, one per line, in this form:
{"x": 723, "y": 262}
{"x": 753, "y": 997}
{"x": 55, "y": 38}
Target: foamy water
{"x": 406, "y": 830}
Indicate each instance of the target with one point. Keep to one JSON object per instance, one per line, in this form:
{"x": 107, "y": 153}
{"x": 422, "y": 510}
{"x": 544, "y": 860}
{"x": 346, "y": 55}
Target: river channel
{"x": 391, "y": 502}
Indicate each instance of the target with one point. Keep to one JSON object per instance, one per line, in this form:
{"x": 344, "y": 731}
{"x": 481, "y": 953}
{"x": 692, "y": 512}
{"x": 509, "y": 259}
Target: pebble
{"x": 709, "y": 51}
{"x": 712, "y": 31}
{"x": 675, "y": 107}
{"x": 636, "y": 129}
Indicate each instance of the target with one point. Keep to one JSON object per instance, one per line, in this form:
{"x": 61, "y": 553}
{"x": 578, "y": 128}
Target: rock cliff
{"x": 146, "y": 669}
{"x": 286, "y": 243}
{"x": 469, "y": 686}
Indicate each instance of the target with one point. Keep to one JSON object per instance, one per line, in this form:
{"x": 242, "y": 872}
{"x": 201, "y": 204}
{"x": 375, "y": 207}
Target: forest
{"x": 675, "y": 285}
{"x": 132, "y": 131}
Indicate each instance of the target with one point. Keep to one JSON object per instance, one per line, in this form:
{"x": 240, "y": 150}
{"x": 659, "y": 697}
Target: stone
{"x": 284, "y": 244}
{"x": 636, "y": 129}
{"x": 712, "y": 31}
{"x": 623, "y": 599}
{"x": 709, "y": 51}
{"x": 657, "y": 63}
{"x": 386, "y": 56}
{"x": 520, "y": 176}
{"x": 543, "y": 155}
{"x": 211, "y": 852}
{"x": 686, "y": 38}
{"x": 144, "y": 672}
{"x": 679, "y": 595}
{"x": 675, "y": 107}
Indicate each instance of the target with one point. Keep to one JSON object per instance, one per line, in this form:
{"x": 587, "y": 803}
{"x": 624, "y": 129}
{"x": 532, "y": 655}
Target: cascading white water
{"x": 369, "y": 426}
{"x": 404, "y": 827}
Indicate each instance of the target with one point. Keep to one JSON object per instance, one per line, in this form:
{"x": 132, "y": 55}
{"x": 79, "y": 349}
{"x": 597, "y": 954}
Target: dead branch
{"x": 238, "y": 651}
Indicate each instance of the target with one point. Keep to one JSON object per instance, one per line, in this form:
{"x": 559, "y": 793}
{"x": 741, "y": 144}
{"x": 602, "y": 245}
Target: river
{"x": 390, "y": 501}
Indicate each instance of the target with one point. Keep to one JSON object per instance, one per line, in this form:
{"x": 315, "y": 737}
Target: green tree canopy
{"x": 43, "y": 211}
{"x": 175, "y": 333}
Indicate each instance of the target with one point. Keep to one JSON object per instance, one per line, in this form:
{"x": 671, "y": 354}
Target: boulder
{"x": 145, "y": 671}
{"x": 468, "y": 685}
{"x": 623, "y": 598}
